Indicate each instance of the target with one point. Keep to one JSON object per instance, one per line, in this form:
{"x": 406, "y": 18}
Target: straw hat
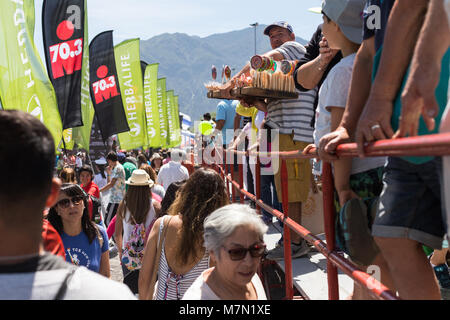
{"x": 140, "y": 178}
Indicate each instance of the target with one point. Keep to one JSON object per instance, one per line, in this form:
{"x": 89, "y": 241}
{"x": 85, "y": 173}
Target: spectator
{"x": 26, "y": 270}
{"x": 142, "y": 159}
{"x": 234, "y": 238}
{"x": 420, "y": 216}
{"x": 156, "y": 188}
{"x": 182, "y": 246}
{"x": 293, "y": 120}
{"x": 89, "y": 186}
{"x": 135, "y": 217}
{"x": 86, "y": 243}
{"x": 225, "y": 123}
{"x": 116, "y": 185}
{"x": 67, "y": 175}
{"x": 419, "y": 97}
{"x": 52, "y": 240}
{"x": 156, "y": 162}
{"x": 100, "y": 178}
{"x": 358, "y": 179}
{"x": 173, "y": 170}
{"x": 170, "y": 196}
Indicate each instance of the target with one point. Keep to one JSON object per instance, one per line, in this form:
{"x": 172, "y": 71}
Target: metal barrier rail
{"x": 434, "y": 145}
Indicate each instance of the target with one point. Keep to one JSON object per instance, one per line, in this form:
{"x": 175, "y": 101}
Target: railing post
{"x": 286, "y": 233}
{"x": 329, "y": 218}
{"x": 258, "y": 180}
{"x": 241, "y": 182}
{"x": 233, "y": 189}
{"x": 226, "y": 173}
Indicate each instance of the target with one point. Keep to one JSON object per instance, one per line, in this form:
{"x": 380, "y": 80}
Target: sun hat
{"x": 156, "y": 155}
{"x": 101, "y": 161}
{"x": 140, "y": 178}
{"x": 348, "y": 15}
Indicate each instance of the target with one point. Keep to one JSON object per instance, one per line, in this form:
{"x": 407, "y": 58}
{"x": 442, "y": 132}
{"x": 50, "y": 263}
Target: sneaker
{"x": 443, "y": 277}
{"x": 298, "y": 251}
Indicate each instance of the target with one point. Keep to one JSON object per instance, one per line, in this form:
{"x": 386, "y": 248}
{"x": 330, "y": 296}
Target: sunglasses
{"x": 256, "y": 251}
{"x": 65, "y": 203}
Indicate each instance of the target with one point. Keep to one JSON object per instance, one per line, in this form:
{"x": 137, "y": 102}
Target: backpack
{"x": 94, "y": 208}
{"x": 133, "y": 251}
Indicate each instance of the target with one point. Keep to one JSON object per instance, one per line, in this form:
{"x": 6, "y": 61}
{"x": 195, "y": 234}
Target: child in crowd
{"x": 357, "y": 181}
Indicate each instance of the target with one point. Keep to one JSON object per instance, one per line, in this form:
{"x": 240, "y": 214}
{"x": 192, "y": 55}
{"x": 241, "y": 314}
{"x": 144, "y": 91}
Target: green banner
{"x": 82, "y": 135}
{"x": 128, "y": 64}
{"x": 151, "y": 105}
{"x": 170, "y": 118}
{"x": 162, "y": 109}
{"x": 68, "y": 139}
{"x": 177, "y": 121}
{"x": 24, "y": 83}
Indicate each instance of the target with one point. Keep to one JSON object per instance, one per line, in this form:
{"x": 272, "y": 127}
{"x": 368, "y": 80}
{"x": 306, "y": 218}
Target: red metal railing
{"x": 430, "y": 145}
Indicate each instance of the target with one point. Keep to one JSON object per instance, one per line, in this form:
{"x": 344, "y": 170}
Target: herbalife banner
{"x": 151, "y": 106}
{"x": 81, "y": 135}
{"x": 104, "y": 87}
{"x": 177, "y": 121}
{"x": 170, "y": 119}
{"x": 24, "y": 84}
{"x": 162, "y": 110}
{"x": 130, "y": 80}
{"x": 63, "y": 34}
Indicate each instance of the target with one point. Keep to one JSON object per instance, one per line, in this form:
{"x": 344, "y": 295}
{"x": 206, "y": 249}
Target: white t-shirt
{"x": 333, "y": 93}
{"x": 100, "y": 181}
{"x": 44, "y": 285}
{"x": 171, "y": 172}
{"x": 199, "y": 290}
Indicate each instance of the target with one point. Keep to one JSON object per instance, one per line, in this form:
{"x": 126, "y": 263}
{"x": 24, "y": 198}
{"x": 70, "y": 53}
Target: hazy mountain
{"x": 186, "y": 62}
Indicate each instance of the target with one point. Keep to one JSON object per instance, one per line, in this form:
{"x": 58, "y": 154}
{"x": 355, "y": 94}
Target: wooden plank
{"x": 244, "y": 92}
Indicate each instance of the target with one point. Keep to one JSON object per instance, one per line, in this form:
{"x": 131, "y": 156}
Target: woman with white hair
{"x": 233, "y": 236}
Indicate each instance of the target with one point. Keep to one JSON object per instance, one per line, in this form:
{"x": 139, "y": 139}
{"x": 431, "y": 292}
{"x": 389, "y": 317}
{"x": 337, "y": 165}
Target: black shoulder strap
{"x": 63, "y": 289}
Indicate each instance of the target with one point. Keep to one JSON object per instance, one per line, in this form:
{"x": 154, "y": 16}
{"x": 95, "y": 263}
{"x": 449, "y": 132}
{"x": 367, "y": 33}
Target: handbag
{"x": 162, "y": 231}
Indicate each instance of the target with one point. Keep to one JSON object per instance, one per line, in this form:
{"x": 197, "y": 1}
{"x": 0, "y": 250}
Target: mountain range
{"x": 185, "y": 61}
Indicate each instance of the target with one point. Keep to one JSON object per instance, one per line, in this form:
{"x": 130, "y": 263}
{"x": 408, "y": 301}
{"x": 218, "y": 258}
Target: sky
{"x": 147, "y": 18}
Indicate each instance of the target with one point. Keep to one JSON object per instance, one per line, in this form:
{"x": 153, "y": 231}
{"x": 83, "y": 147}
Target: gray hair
{"x": 220, "y": 224}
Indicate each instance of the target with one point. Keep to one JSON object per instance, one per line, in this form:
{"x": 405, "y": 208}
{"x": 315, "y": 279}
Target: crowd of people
{"x": 361, "y": 78}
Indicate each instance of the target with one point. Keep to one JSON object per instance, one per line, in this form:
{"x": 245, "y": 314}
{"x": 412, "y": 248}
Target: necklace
{"x": 22, "y": 257}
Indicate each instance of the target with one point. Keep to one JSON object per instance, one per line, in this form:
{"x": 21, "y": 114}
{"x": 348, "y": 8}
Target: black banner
{"x": 104, "y": 86}
{"x": 63, "y": 31}
{"x": 143, "y": 66}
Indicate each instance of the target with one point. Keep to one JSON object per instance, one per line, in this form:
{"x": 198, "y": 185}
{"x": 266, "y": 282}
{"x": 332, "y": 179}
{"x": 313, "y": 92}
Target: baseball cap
{"x": 282, "y": 24}
{"x": 348, "y": 15}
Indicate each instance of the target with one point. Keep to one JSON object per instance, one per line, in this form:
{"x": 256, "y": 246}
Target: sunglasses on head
{"x": 256, "y": 251}
{"x": 65, "y": 203}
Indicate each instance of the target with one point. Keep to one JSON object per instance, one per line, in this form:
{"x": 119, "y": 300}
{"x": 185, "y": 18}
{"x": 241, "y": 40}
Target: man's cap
{"x": 348, "y": 15}
{"x": 282, "y": 24}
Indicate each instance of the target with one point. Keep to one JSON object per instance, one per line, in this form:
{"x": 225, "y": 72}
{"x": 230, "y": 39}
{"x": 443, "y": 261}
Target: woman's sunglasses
{"x": 256, "y": 251}
{"x": 65, "y": 203}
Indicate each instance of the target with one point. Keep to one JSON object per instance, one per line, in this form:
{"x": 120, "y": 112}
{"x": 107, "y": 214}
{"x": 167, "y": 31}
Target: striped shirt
{"x": 172, "y": 286}
{"x": 289, "y": 115}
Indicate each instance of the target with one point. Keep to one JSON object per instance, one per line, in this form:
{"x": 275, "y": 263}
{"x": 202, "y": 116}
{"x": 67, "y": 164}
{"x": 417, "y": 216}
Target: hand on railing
{"x": 329, "y": 142}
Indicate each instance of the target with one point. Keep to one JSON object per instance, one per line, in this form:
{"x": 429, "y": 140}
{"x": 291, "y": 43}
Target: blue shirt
{"x": 80, "y": 252}
{"x": 226, "y": 110}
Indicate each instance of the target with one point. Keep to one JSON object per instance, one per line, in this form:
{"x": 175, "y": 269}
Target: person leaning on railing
{"x": 409, "y": 212}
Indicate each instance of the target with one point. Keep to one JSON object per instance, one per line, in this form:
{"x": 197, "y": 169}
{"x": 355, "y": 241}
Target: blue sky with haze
{"x": 147, "y": 18}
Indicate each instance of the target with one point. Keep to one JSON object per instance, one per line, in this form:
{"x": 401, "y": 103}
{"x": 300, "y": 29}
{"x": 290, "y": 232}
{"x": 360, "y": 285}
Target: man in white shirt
{"x": 173, "y": 171}
{"x": 27, "y": 272}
